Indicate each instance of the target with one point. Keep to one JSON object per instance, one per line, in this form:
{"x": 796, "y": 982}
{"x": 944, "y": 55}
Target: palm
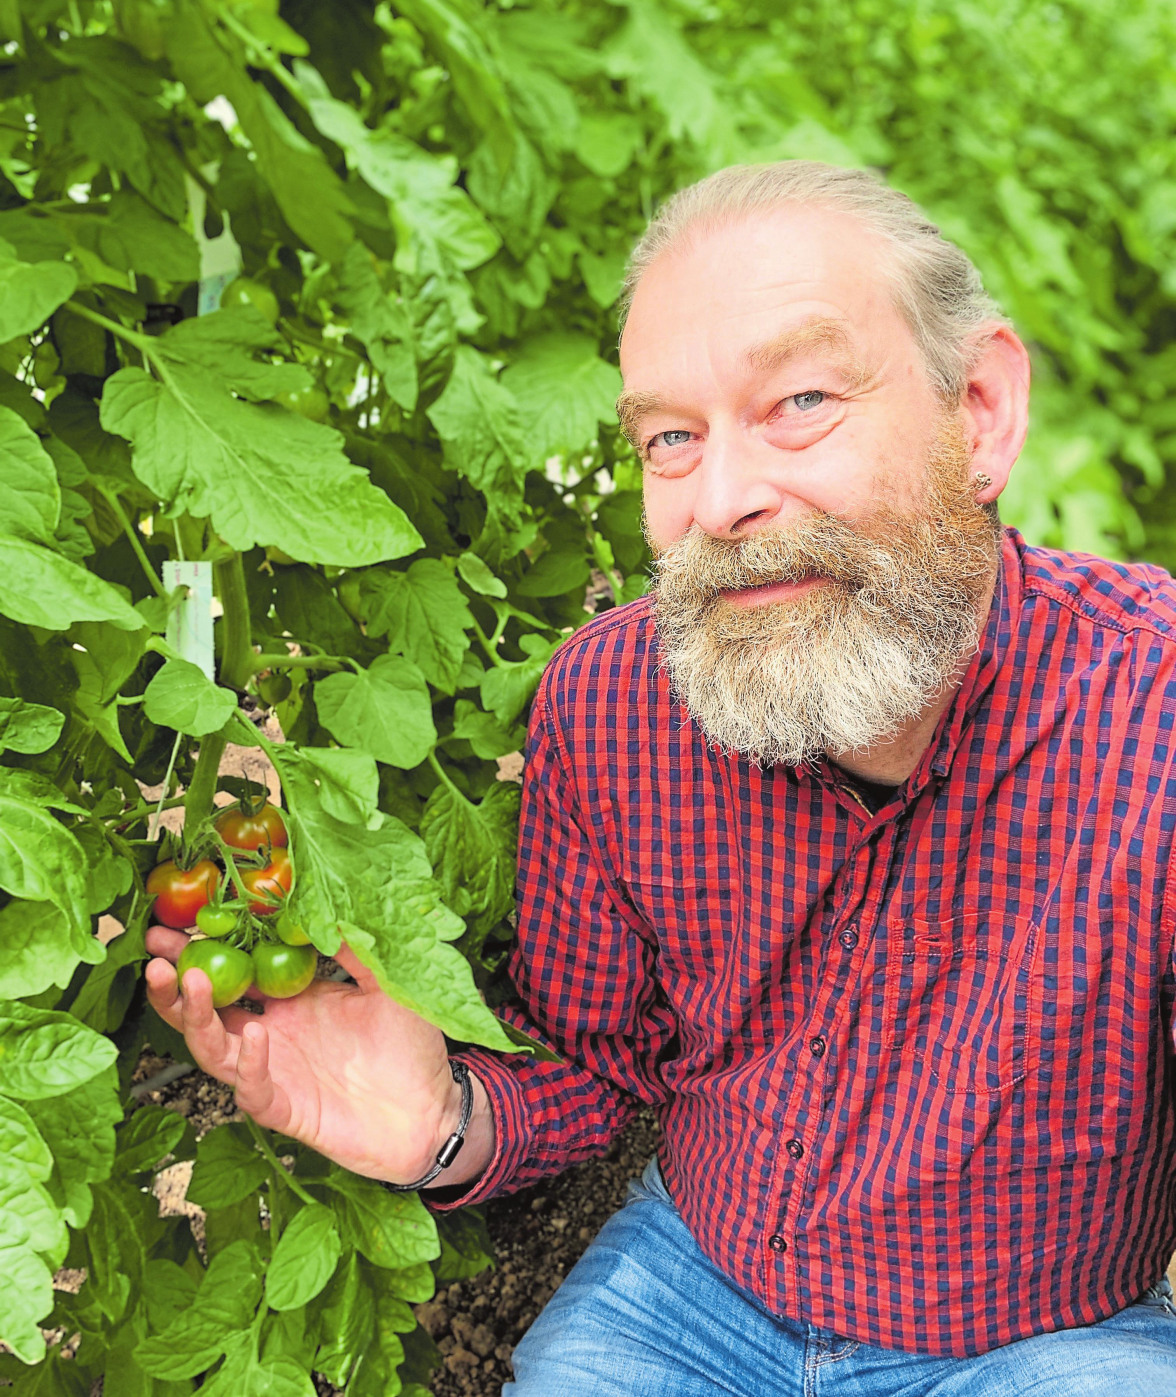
{"x": 340, "y": 1067}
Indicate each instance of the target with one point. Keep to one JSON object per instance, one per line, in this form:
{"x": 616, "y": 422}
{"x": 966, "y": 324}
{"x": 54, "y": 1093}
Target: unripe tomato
{"x": 283, "y": 971}
{"x": 310, "y": 402}
{"x": 229, "y": 970}
{"x": 274, "y": 879}
{"x": 215, "y": 921}
{"x": 290, "y": 932}
{"x": 244, "y": 291}
{"x": 241, "y": 830}
{"x": 180, "y": 893}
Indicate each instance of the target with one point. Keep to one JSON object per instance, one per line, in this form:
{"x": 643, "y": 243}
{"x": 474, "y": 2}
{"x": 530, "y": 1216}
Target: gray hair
{"x": 936, "y": 288}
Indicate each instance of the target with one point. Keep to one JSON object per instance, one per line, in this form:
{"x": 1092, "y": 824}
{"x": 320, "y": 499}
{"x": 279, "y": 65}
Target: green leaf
{"x": 507, "y": 689}
{"x": 30, "y": 292}
{"x": 478, "y": 577}
{"x": 390, "y": 1229}
{"x": 258, "y": 471}
{"x": 384, "y": 710}
{"x": 228, "y": 1168}
{"x": 182, "y": 697}
{"x": 564, "y": 390}
{"x": 169, "y": 1291}
{"x": 485, "y": 734}
{"x": 30, "y": 498}
{"x": 304, "y": 1259}
{"x": 480, "y": 427}
{"x": 347, "y": 781}
{"x": 36, "y": 949}
{"x": 21, "y": 1145}
{"x": 28, "y": 727}
{"x": 607, "y": 142}
{"x": 41, "y": 588}
{"x": 35, "y": 789}
{"x": 40, "y": 860}
{"x": 472, "y": 849}
{"x": 245, "y": 1375}
{"x": 150, "y": 1134}
{"x": 652, "y": 53}
{"x": 26, "y": 1291}
{"x": 45, "y": 1054}
{"x": 375, "y": 889}
{"x": 424, "y": 615}
{"x": 78, "y": 1128}
{"x": 380, "y": 320}
{"x": 348, "y": 1324}
{"x": 466, "y": 1248}
{"x": 223, "y": 1308}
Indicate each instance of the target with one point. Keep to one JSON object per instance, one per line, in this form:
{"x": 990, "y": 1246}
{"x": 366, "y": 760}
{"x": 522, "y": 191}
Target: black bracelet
{"x": 451, "y": 1148}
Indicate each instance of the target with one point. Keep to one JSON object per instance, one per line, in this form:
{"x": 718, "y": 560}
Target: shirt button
{"x": 794, "y": 1148}
{"x": 817, "y": 1046}
{"x": 849, "y": 938}
{"x": 777, "y": 1243}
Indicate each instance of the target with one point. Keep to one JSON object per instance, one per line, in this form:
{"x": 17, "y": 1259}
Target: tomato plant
{"x": 241, "y": 828}
{"x": 281, "y": 971}
{"x": 229, "y": 970}
{"x": 180, "y": 893}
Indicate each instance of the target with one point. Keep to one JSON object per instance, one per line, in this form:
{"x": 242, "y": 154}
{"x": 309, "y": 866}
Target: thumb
{"x": 359, "y": 972}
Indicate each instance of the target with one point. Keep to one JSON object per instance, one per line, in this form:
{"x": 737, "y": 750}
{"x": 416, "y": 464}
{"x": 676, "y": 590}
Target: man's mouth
{"x": 768, "y": 592}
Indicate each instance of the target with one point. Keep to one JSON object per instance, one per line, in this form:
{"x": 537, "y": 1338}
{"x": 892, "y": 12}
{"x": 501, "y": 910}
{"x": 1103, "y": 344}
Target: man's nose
{"x": 736, "y": 493}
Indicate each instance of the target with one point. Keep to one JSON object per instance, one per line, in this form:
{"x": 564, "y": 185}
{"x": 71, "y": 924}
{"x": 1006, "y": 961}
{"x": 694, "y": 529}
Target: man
{"x": 847, "y": 850}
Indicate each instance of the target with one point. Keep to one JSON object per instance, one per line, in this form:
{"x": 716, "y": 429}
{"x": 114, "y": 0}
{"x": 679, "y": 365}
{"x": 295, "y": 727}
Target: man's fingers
{"x": 162, "y": 941}
{"x": 213, "y": 1049}
{"x": 254, "y": 1085}
{"x": 163, "y": 992}
{"x": 359, "y": 972}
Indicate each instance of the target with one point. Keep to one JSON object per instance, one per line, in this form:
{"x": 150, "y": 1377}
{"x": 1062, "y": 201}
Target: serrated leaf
{"x": 304, "y": 1259}
{"x": 28, "y": 727}
{"x": 41, "y": 588}
{"x": 78, "y": 1128}
{"x": 564, "y": 391}
{"x": 384, "y": 710}
{"x": 472, "y": 849}
{"x": 390, "y": 1229}
{"x": 223, "y": 1308}
{"x": 30, "y": 292}
{"x": 227, "y": 1169}
{"x": 347, "y": 781}
{"x": 480, "y": 427}
{"x": 375, "y": 888}
{"x": 150, "y": 1134}
{"x": 181, "y": 696}
{"x": 259, "y": 472}
{"x": 40, "y": 860}
{"x": 30, "y": 497}
{"x": 382, "y": 323}
{"x": 46, "y": 1054}
{"x": 424, "y": 615}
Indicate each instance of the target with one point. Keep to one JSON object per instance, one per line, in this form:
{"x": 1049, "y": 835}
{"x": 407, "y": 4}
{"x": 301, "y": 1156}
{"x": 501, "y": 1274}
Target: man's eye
{"x": 807, "y": 401}
{"x": 670, "y": 439}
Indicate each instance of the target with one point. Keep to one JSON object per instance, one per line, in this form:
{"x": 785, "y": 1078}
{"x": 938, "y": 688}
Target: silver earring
{"x": 980, "y": 481}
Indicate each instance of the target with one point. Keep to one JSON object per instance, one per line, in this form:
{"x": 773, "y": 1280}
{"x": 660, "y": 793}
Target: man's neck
{"x": 890, "y": 763}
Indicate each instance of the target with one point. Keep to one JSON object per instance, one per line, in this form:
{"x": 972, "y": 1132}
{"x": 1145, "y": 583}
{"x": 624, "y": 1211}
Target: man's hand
{"x": 343, "y": 1068}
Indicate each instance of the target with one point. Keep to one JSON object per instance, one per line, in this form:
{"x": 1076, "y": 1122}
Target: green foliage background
{"x": 405, "y": 486}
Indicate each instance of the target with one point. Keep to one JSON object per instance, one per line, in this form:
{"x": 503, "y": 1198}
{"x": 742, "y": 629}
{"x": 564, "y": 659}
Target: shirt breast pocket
{"x": 960, "y": 999}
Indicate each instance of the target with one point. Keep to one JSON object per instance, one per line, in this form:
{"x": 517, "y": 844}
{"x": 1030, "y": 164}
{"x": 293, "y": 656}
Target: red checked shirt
{"x": 915, "y": 1067}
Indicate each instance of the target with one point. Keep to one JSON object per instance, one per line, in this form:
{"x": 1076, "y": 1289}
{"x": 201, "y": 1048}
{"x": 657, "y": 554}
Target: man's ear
{"x": 995, "y": 408}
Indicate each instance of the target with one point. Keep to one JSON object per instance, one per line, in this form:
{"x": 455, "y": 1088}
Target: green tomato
{"x": 290, "y": 932}
{"x": 215, "y": 921}
{"x": 310, "y": 402}
{"x": 283, "y": 971}
{"x": 244, "y": 291}
{"x": 230, "y": 970}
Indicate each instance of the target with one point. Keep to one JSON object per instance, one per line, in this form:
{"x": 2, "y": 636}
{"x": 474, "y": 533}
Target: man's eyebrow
{"x": 632, "y": 405}
{"x": 822, "y": 332}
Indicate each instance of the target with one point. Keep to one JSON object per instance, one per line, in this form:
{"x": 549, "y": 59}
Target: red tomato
{"x": 275, "y": 879}
{"x": 241, "y": 830}
{"x": 181, "y": 893}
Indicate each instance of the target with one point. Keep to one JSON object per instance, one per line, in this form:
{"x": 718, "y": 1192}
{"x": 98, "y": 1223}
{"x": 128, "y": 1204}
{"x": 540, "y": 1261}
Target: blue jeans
{"x": 644, "y": 1313}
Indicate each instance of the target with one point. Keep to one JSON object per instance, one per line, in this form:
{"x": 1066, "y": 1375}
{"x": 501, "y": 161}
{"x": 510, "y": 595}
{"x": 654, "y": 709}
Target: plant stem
{"x": 141, "y": 342}
{"x": 275, "y": 1163}
{"x": 265, "y": 56}
{"x": 440, "y": 770}
{"x": 490, "y": 647}
{"x": 235, "y": 668}
{"x": 277, "y": 661}
{"x": 153, "y": 823}
{"x": 135, "y": 541}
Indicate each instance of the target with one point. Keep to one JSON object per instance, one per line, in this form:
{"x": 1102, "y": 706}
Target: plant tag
{"x": 189, "y": 627}
{"x": 220, "y": 258}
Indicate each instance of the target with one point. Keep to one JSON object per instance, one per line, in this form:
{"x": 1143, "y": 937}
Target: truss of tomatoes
{"x": 247, "y": 941}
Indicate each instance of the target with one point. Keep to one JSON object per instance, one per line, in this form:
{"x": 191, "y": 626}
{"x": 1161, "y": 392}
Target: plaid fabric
{"x": 914, "y": 1068}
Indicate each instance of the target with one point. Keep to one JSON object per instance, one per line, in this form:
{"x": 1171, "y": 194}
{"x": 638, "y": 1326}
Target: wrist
{"x": 478, "y": 1145}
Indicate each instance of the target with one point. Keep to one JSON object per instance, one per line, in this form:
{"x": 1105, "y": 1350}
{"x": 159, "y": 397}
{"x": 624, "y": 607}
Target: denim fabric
{"x": 644, "y": 1313}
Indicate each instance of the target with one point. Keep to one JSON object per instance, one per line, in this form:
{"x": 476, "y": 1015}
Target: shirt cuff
{"x": 511, "y": 1132}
